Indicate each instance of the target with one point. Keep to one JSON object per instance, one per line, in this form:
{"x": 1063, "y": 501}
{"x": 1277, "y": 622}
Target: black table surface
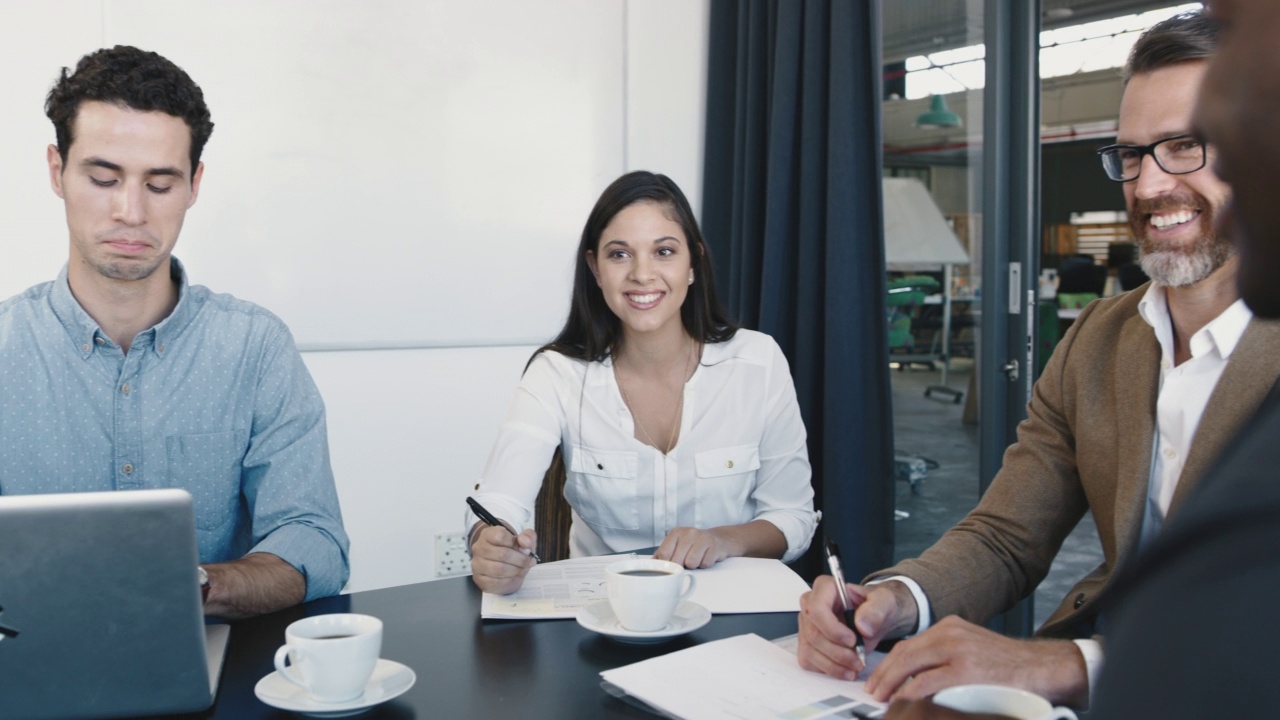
{"x": 466, "y": 667}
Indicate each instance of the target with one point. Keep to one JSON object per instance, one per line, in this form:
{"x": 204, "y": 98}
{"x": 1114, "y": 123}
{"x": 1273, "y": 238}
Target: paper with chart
{"x": 560, "y": 589}
{"x": 553, "y": 590}
{"x": 743, "y": 678}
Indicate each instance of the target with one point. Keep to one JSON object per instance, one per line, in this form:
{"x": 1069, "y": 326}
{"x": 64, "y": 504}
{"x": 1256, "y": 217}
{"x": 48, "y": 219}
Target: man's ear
{"x": 54, "y": 158}
{"x": 195, "y": 184}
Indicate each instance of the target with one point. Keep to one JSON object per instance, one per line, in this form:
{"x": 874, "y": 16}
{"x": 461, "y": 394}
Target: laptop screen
{"x": 101, "y": 600}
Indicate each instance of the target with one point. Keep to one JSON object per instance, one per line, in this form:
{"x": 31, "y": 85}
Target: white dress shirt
{"x": 741, "y": 455}
{"x": 1184, "y": 393}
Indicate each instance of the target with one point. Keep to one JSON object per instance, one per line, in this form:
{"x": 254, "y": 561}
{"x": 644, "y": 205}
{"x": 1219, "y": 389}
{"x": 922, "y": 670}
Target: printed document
{"x": 560, "y": 589}
{"x": 742, "y": 678}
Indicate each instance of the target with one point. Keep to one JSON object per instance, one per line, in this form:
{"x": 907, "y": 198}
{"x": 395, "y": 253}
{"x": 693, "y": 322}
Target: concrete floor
{"x": 932, "y": 428}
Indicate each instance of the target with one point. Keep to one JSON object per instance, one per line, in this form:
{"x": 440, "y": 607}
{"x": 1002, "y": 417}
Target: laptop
{"x": 100, "y": 610}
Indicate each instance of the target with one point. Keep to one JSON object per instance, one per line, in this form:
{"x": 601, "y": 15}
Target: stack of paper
{"x": 742, "y": 678}
{"x": 736, "y": 585}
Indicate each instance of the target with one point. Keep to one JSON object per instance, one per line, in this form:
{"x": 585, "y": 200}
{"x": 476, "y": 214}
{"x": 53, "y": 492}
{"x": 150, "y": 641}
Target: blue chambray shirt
{"x": 214, "y": 399}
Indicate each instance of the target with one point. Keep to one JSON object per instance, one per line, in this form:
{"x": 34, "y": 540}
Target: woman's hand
{"x": 500, "y": 560}
{"x": 693, "y": 548}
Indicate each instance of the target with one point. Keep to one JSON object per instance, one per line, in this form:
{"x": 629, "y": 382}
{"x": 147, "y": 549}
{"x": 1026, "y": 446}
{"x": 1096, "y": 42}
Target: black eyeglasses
{"x": 1177, "y": 155}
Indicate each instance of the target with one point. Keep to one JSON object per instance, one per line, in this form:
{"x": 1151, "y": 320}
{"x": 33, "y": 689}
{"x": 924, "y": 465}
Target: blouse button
{"x": 599, "y": 466}
{"x": 127, "y": 469}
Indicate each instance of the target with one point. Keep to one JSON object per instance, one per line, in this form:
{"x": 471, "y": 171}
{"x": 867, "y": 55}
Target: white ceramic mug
{"x": 331, "y": 656}
{"x": 1001, "y": 700}
{"x": 644, "y": 593}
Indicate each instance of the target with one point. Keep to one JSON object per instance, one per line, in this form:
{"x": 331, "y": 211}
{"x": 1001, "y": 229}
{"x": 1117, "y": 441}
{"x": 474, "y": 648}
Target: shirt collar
{"x": 86, "y": 332}
{"x": 1223, "y": 332}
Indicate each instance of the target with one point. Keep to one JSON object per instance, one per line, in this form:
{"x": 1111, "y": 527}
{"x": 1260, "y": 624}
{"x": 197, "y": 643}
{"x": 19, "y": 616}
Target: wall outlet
{"x": 451, "y": 555}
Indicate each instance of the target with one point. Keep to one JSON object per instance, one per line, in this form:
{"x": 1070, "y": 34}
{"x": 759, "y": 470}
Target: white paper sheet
{"x": 743, "y": 678}
{"x": 553, "y": 590}
{"x": 561, "y": 589}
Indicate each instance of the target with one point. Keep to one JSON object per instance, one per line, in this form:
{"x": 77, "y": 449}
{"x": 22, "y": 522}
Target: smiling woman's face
{"x": 643, "y": 266}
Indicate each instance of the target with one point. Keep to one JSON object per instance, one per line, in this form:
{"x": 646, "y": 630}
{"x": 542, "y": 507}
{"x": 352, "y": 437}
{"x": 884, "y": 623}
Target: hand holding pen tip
{"x": 846, "y": 605}
{"x": 487, "y": 518}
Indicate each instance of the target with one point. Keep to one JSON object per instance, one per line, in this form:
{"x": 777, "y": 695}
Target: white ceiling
{"x": 916, "y": 27}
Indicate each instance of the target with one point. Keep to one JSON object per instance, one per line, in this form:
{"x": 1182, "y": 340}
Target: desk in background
{"x": 467, "y": 668}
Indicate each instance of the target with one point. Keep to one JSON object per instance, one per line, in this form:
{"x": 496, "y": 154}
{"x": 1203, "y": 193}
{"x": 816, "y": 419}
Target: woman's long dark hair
{"x": 592, "y": 331}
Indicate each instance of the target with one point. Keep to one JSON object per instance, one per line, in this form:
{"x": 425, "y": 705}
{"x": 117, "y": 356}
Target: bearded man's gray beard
{"x": 1179, "y": 268}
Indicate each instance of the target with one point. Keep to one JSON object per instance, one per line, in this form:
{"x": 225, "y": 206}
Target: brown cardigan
{"x": 1085, "y": 445}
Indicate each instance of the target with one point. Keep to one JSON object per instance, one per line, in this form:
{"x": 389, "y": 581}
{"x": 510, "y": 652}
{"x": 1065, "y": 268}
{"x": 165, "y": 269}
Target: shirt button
{"x": 99, "y": 340}
{"x": 125, "y": 389}
{"x": 84, "y": 347}
{"x": 160, "y": 347}
{"x": 729, "y": 464}
{"x": 1170, "y": 453}
{"x": 127, "y": 469}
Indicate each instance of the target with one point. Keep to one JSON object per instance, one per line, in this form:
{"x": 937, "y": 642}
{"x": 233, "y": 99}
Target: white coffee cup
{"x": 1001, "y": 700}
{"x": 331, "y": 656}
{"x": 644, "y": 593}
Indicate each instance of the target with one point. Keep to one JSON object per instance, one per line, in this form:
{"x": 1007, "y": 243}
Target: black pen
{"x": 833, "y": 562}
{"x": 487, "y": 518}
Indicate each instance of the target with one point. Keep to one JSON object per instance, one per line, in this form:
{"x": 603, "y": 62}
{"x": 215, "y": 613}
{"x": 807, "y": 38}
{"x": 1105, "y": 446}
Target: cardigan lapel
{"x": 1136, "y": 378}
{"x": 1250, "y": 373}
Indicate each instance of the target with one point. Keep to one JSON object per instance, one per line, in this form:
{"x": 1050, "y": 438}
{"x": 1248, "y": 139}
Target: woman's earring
{"x": 690, "y": 276}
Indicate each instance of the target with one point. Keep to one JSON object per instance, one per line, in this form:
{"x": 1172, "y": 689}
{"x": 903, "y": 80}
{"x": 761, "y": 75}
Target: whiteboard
{"x": 381, "y": 174}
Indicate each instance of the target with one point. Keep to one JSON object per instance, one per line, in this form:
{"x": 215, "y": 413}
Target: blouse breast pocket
{"x": 208, "y": 466}
{"x": 603, "y": 487}
{"x": 725, "y": 480}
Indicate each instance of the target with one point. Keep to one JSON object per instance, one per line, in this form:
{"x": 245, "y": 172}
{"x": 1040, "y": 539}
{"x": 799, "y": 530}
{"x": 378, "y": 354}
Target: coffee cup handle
{"x": 288, "y": 672}
{"x": 689, "y": 590}
{"x": 1061, "y": 713}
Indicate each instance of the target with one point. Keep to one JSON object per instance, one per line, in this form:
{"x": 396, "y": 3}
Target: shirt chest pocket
{"x": 603, "y": 487}
{"x": 725, "y": 479}
{"x": 208, "y": 466}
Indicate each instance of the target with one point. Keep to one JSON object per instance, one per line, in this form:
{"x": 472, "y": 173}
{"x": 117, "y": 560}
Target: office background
{"x": 412, "y": 216}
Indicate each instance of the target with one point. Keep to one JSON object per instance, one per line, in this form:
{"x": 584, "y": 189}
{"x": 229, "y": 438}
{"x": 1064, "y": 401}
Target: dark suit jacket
{"x": 1085, "y": 445}
{"x": 1193, "y": 631}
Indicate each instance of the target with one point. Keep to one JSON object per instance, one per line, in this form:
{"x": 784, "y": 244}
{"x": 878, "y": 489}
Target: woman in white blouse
{"x": 679, "y": 430}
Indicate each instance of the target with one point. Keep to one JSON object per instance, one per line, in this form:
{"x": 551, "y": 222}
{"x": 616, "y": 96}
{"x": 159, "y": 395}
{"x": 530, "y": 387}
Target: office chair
{"x": 552, "y": 514}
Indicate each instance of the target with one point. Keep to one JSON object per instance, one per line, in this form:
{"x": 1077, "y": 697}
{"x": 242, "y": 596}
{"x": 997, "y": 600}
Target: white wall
{"x": 403, "y": 182}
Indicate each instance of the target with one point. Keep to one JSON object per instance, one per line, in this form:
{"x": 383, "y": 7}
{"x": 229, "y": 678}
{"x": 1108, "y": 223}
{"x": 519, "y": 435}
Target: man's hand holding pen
{"x": 827, "y": 644}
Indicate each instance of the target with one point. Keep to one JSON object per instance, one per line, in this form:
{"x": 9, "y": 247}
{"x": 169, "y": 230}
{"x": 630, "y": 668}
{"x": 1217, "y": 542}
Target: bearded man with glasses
{"x": 1140, "y": 396}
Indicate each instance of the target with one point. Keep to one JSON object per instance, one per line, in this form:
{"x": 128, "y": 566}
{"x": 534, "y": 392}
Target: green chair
{"x": 1075, "y": 301}
{"x": 904, "y": 294}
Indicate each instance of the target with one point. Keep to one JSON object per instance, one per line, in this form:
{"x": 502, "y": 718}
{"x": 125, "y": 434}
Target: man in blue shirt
{"x": 120, "y": 375}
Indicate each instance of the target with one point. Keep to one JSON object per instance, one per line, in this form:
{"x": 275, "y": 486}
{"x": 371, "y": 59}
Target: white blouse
{"x": 741, "y": 454}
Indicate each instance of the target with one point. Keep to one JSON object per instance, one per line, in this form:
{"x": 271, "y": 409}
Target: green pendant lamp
{"x": 938, "y": 115}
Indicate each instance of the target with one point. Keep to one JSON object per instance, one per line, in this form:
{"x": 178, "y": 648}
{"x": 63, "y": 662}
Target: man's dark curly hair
{"x": 131, "y": 78}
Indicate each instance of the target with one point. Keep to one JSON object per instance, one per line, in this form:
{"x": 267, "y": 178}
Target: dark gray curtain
{"x": 792, "y": 212}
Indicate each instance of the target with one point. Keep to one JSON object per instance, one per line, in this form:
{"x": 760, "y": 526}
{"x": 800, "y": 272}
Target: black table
{"x": 468, "y": 668}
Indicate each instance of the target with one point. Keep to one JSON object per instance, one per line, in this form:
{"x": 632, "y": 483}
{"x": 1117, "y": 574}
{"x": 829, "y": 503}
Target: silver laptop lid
{"x": 101, "y": 606}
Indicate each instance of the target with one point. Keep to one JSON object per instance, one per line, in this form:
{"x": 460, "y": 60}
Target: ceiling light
{"x": 938, "y": 116}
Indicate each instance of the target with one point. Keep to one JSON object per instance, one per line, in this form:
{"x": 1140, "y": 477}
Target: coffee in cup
{"x": 331, "y": 656}
{"x": 1010, "y": 702}
{"x": 645, "y": 593}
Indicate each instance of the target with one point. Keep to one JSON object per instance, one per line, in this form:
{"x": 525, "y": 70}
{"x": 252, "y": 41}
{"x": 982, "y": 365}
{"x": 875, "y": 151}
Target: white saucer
{"x": 390, "y": 679}
{"x": 598, "y": 616}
